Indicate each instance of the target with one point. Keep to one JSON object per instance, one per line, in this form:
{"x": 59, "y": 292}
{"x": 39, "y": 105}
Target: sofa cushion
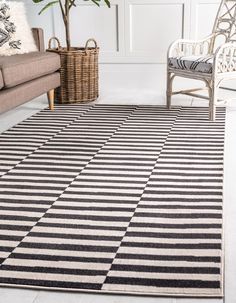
{"x": 201, "y": 64}
{"x": 22, "y": 93}
{"x": 18, "y": 69}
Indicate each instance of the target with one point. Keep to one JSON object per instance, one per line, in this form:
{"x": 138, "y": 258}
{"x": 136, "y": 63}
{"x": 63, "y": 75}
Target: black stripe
{"x": 15, "y": 227}
{"x": 51, "y": 283}
{"x": 173, "y": 246}
{"x": 93, "y": 208}
{"x": 166, "y": 269}
{"x": 59, "y": 258}
{"x": 173, "y": 235}
{"x": 73, "y": 236}
{"x": 163, "y": 283}
{"x": 54, "y": 270}
{"x": 11, "y": 238}
{"x": 20, "y": 208}
{"x": 18, "y": 218}
{"x": 178, "y": 215}
{"x": 176, "y": 226}
{"x": 78, "y": 226}
{"x": 71, "y": 247}
{"x": 88, "y": 217}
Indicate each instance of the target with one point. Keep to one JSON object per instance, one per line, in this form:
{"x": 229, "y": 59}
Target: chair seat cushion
{"x": 18, "y": 69}
{"x": 192, "y": 63}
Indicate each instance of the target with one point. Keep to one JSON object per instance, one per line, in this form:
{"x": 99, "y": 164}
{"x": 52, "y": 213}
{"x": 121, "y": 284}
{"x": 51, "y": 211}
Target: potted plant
{"x": 79, "y": 65}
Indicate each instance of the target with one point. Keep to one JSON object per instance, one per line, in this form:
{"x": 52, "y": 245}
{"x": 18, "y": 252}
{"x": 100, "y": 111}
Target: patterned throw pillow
{"x": 15, "y": 33}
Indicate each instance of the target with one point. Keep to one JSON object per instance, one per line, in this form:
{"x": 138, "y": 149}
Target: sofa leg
{"x": 51, "y": 99}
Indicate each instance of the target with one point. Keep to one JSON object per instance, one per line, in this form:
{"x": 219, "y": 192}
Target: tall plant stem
{"x": 67, "y": 23}
{"x": 65, "y": 10}
{"x": 67, "y": 31}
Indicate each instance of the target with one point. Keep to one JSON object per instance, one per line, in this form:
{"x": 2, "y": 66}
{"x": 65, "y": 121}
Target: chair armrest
{"x": 184, "y": 47}
{"x": 225, "y": 58}
{"x": 38, "y": 38}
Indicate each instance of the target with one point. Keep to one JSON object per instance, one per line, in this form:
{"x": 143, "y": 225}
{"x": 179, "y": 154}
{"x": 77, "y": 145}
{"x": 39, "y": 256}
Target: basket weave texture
{"x": 79, "y": 73}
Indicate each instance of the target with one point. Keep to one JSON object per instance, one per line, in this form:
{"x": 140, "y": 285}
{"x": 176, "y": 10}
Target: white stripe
{"x": 100, "y": 197}
{"x": 15, "y": 222}
{"x": 21, "y": 213}
{"x": 202, "y": 182}
{"x": 84, "y": 222}
{"x": 77, "y": 231}
{"x": 91, "y": 213}
{"x": 16, "y": 177}
{"x": 158, "y": 203}
{"x": 58, "y": 264}
{"x": 93, "y": 204}
{"x": 166, "y": 240}
{"x": 38, "y": 184}
{"x": 177, "y": 211}
{"x": 42, "y": 172}
{"x": 176, "y": 230}
{"x": 51, "y": 277}
{"x": 93, "y": 190}
{"x": 177, "y": 220}
{"x": 29, "y": 190}
{"x": 170, "y": 251}
{"x": 126, "y": 172}
{"x": 57, "y": 240}
{"x": 161, "y": 290}
{"x": 18, "y": 204}
{"x": 5, "y": 243}
{"x": 182, "y": 195}
{"x": 172, "y": 276}
{"x": 112, "y": 178}
{"x": 53, "y": 161}
{"x": 78, "y": 182}
{"x": 175, "y": 263}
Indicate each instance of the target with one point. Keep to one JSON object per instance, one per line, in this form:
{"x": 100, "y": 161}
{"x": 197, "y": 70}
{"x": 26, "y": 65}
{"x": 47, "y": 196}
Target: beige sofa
{"x": 24, "y": 77}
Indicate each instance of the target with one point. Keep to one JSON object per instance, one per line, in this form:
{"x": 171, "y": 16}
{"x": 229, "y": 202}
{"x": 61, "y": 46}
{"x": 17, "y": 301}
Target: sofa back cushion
{"x": 19, "y": 69}
{"x": 15, "y": 33}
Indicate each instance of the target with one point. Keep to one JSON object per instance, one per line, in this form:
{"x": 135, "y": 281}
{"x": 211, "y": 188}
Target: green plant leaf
{"x": 108, "y": 3}
{"x": 37, "y": 1}
{"x": 72, "y": 3}
{"x": 96, "y": 2}
{"x": 47, "y": 6}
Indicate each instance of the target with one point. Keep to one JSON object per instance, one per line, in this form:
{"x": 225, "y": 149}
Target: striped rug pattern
{"x": 117, "y": 199}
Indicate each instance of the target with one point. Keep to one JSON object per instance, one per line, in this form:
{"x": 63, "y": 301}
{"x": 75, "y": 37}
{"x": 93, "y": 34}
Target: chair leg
{"x": 50, "y": 95}
{"x": 213, "y": 93}
{"x": 169, "y": 90}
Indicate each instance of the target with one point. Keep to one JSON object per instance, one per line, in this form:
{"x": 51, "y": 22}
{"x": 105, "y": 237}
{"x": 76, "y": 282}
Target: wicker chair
{"x": 203, "y": 60}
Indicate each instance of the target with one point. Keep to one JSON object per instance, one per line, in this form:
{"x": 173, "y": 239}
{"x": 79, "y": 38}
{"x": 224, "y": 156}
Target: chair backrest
{"x": 225, "y": 23}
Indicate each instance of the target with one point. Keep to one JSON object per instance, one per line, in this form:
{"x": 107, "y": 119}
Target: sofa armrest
{"x": 39, "y": 38}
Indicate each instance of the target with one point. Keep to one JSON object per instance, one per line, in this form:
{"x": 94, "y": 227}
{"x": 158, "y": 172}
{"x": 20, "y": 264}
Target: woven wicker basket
{"x": 79, "y": 72}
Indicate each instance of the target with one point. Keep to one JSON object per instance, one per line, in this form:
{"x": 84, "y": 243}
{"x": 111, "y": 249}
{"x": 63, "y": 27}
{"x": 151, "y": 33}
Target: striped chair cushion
{"x": 193, "y": 63}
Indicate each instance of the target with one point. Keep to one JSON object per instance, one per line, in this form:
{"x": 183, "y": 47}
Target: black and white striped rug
{"x": 107, "y": 198}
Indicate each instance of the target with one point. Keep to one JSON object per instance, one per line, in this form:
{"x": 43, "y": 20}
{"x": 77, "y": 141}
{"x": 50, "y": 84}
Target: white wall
{"x": 133, "y": 37}
{"x": 131, "y": 31}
